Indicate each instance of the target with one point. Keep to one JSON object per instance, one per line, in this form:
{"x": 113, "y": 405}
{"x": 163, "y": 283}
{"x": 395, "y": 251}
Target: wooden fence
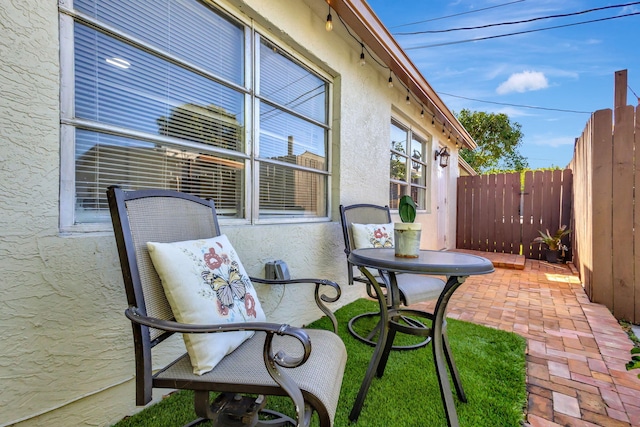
{"x": 504, "y": 212}
{"x": 606, "y": 221}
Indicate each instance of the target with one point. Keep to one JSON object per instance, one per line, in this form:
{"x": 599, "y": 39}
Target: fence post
{"x": 602, "y": 199}
{"x": 622, "y": 217}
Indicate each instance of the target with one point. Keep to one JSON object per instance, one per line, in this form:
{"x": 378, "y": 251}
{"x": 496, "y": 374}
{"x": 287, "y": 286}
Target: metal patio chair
{"x": 304, "y": 364}
{"x": 413, "y": 288}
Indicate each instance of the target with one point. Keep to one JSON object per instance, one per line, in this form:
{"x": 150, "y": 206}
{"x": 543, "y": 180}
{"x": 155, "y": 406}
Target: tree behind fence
{"x": 505, "y": 212}
{"x": 606, "y": 215}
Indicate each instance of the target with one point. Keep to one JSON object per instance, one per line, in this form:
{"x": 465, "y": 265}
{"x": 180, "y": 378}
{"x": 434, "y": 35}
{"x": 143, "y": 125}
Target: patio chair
{"x": 277, "y": 359}
{"x": 413, "y": 288}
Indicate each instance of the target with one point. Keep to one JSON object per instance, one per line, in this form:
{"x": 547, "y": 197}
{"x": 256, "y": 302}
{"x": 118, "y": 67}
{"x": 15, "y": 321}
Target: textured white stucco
{"x": 66, "y": 356}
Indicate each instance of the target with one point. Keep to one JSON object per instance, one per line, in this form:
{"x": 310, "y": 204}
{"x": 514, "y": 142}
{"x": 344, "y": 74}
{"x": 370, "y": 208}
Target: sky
{"x": 570, "y": 68}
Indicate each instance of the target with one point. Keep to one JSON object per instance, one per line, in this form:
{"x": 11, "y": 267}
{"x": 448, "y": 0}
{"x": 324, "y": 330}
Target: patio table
{"x": 456, "y": 267}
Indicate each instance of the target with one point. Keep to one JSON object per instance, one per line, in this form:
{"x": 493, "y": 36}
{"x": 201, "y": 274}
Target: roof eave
{"x": 364, "y": 22}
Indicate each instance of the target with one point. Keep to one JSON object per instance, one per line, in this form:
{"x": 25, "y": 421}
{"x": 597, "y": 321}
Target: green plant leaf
{"x": 632, "y": 365}
{"x": 407, "y": 209}
{"x": 635, "y": 350}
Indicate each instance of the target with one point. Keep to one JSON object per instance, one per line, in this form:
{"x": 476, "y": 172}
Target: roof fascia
{"x": 364, "y": 22}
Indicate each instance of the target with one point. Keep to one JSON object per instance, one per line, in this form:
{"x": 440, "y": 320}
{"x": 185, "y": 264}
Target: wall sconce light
{"x": 444, "y": 157}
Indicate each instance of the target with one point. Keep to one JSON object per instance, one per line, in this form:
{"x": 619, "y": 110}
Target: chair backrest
{"x": 360, "y": 214}
{"x": 153, "y": 216}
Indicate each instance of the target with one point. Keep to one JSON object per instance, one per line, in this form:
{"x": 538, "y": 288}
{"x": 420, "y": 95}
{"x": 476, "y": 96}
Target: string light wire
{"x": 382, "y": 65}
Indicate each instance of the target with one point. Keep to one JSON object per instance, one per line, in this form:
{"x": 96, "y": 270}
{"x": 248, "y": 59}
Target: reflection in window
{"x": 408, "y": 169}
{"x": 103, "y": 160}
{"x": 293, "y": 133}
{"x": 174, "y": 113}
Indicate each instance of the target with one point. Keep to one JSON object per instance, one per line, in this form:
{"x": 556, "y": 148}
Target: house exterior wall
{"x": 67, "y": 356}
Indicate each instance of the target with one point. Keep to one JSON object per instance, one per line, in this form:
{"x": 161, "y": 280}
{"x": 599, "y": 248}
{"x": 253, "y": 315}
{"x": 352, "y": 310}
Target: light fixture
{"x": 444, "y": 129}
{"x": 433, "y": 120}
{"x": 329, "y": 24}
{"x": 408, "y": 100}
{"x": 362, "y": 61}
{"x": 444, "y": 157}
{"x": 422, "y": 113}
{"x": 449, "y": 137}
{"x": 390, "y": 84}
{"x": 457, "y": 143}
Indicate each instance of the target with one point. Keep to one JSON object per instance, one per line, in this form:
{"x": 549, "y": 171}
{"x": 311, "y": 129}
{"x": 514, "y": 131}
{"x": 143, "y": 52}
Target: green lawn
{"x": 491, "y": 365}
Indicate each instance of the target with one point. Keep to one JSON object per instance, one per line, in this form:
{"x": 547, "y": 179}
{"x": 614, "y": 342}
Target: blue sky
{"x": 569, "y": 68}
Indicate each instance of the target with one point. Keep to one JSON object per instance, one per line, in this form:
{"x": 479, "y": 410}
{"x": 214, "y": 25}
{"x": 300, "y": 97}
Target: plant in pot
{"x": 555, "y": 248}
{"x": 407, "y": 233}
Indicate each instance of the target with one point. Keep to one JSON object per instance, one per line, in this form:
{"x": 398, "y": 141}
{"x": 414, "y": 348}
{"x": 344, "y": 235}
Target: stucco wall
{"x": 66, "y": 356}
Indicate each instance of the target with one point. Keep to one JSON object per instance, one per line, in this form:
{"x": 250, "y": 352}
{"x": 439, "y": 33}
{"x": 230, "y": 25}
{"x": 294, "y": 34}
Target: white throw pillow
{"x": 372, "y": 235}
{"x": 205, "y": 283}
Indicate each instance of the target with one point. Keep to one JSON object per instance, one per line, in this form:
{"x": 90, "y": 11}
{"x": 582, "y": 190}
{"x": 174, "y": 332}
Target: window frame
{"x": 412, "y": 134}
{"x": 257, "y": 98}
{"x": 252, "y": 35}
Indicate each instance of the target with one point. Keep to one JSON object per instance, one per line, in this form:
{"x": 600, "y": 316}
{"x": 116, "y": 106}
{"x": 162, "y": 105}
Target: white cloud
{"x": 553, "y": 141}
{"x": 523, "y": 82}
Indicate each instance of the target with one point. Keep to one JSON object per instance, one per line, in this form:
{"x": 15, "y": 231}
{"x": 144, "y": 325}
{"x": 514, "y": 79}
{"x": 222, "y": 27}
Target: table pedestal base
{"x": 390, "y": 324}
{"x": 360, "y": 325}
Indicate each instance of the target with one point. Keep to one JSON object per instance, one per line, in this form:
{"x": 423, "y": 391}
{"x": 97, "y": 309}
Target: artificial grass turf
{"x": 491, "y": 364}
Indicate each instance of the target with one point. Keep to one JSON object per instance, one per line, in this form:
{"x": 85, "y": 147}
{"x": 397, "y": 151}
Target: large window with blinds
{"x": 408, "y": 166}
{"x": 176, "y": 94}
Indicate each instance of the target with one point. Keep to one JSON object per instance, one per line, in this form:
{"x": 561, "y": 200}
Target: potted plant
{"x": 407, "y": 233}
{"x": 555, "y": 247}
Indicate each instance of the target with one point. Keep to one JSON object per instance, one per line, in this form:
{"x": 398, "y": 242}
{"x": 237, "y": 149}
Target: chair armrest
{"x": 272, "y": 362}
{"x": 271, "y": 329}
{"x": 318, "y": 297}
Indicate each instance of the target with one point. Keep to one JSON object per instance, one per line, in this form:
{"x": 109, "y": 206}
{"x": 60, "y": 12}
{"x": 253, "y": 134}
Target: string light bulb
{"x": 449, "y": 137}
{"x": 362, "y": 61}
{"x": 422, "y": 113}
{"x": 433, "y": 120}
{"x": 444, "y": 130}
{"x": 390, "y": 83}
{"x": 408, "y": 100}
{"x": 329, "y": 24}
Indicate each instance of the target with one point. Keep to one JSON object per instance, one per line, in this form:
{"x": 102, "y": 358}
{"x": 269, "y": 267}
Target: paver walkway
{"x": 576, "y": 350}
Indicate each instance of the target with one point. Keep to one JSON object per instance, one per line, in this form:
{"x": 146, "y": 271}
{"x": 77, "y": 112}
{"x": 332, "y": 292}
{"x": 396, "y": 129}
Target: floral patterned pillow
{"x": 372, "y": 235}
{"x": 205, "y": 283}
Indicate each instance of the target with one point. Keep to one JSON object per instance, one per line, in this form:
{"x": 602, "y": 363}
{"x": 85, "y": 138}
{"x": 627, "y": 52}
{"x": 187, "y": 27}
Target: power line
{"x": 456, "y": 14}
{"x": 520, "y": 32}
{"x": 517, "y": 105}
{"x": 563, "y": 15}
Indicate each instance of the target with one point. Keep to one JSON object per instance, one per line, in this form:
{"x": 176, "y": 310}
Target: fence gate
{"x": 503, "y": 212}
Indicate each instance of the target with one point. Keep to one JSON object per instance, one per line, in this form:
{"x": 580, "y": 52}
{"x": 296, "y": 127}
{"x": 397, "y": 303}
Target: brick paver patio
{"x": 576, "y": 350}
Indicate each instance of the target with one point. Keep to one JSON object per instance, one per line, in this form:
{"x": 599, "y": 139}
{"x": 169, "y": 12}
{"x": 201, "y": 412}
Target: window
{"x": 161, "y": 95}
{"x": 408, "y": 166}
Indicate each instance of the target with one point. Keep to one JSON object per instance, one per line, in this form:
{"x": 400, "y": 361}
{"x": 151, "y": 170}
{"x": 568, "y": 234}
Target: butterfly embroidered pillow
{"x": 205, "y": 283}
{"x": 372, "y": 235}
